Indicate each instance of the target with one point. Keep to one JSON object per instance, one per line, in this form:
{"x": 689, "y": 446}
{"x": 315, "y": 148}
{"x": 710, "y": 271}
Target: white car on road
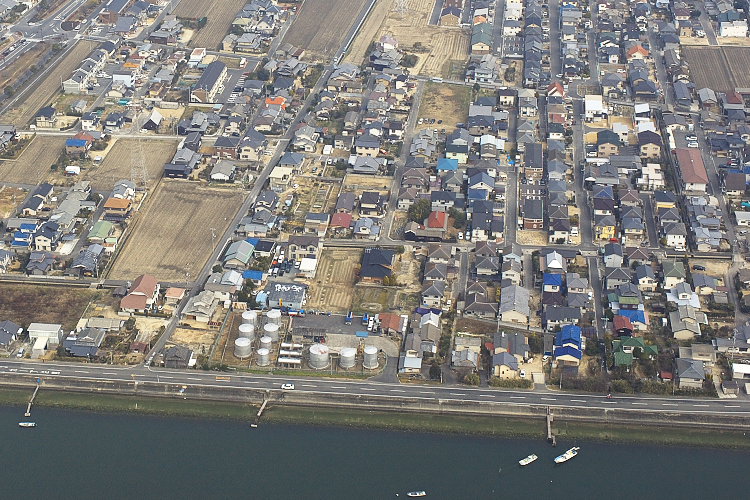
{"x": 287, "y": 387}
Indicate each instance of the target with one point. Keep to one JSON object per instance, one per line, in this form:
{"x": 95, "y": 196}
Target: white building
{"x": 733, "y": 29}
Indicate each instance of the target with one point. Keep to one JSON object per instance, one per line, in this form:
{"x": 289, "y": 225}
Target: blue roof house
{"x": 552, "y": 282}
{"x": 447, "y": 165}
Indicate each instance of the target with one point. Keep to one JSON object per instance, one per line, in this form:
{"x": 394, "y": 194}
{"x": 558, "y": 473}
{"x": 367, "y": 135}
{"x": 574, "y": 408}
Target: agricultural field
{"x": 449, "y": 103}
{"x": 172, "y": 234}
{"x": 33, "y": 164}
{"x": 320, "y": 26}
{"x": 10, "y": 198}
{"x": 441, "y": 50}
{"x": 719, "y": 68}
{"x": 24, "y": 109}
{"x": 332, "y": 288}
{"x": 219, "y": 15}
{"x": 121, "y": 157}
{"x": 26, "y": 304}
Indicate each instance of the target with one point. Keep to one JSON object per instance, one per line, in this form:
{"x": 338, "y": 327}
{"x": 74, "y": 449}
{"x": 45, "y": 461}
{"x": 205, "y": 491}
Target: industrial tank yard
{"x": 323, "y": 344}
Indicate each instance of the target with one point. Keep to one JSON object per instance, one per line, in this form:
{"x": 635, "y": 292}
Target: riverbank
{"x": 529, "y": 427}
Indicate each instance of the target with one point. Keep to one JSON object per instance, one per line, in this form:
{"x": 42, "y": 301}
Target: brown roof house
{"x": 141, "y": 295}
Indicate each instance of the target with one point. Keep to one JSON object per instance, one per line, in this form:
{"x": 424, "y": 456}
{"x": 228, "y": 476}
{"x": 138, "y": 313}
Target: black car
{"x": 698, "y": 267}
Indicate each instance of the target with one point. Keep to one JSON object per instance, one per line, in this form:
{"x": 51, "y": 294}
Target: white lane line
{"x": 368, "y": 389}
{"x": 308, "y": 385}
{"x": 192, "y": 378}
{"x": 80, "y": 371}
{"x": 486, "y": 395}
{"x": 338, "y": 387}
{"x": 426, "y": 392}
{"x": 733, "y": 406}
{"x": 397, "y": 390}
{"x": 457, "y": 394}
{"x": 637, "y": 403}
{"x": 518, "y": 397}
{"x": 109, "y": 373}
{"x": 609, "y": 402}
{"x": 164, "y": 376}
{"x": 548, "y": 399}
{"x": 251, "y": 382}
{"x": 669, "y": 404}
{"x": 701, "y": 406}
{"x": 578, "y": 400}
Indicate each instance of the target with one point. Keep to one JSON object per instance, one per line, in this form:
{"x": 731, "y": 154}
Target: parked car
{"x": 698, "y": 267}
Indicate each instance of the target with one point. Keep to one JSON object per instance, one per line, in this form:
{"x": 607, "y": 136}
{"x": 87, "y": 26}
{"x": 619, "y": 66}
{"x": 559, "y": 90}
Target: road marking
{"x": 486, "y": 395}
{"x": 308, "y": 385}
{"x": 191, "y": 378}
{"x": 426, "y": 392}
{"x": 368, "y": 389}
{"x": 548, "y": 399}
{"x": 669, "y": 404}
{"x": 457, "y": 394}
{"x": 397, "y": 390}
{"x": 164, "y": 376}
{"x": 733, "y": 406}
{"x": 109, "y": 373}
{"x": 578, "y": 400}
{"x": 338, "y": 387}
{"x": 518, "y": 397}
{"x": 609, "y": 402}
{"x": 80, "y": 371}
{"x": 701, "y": 406}
{"x": 251, "y": 381}
{"x": 637, "y": 403}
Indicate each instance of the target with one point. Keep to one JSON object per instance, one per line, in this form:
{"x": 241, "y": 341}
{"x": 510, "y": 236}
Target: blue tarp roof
{"x": 447, "y": 164}
{"x": 76, "y": 143}
{"x": 362, "y": 334}
{"x": 633, "y": 315}
{"x": 253, "y": 241}
{"x": 252, "y": 275}
{"x": 553, "y": 279}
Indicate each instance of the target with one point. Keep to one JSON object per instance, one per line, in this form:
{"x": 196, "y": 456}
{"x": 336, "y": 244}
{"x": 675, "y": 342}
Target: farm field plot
{"x": 369, "y": 31}
{"x": 320, "y": 26}
{"x": 122, "y": 156}
{"x": 26, "y": 304}
{"x": 332, "y": 288}
{"x": 173, "y": 234}
{"x": 449, "y": 103}
{"x": 33, "y": 165}
{"x": 10, "y": 198}
{"x": 25, "y": 109}
{"x": 219, "y": 16}
{"x": 441, "y": 50}
{"x": 20, "y": 65}
{"x": 719, "y": 68}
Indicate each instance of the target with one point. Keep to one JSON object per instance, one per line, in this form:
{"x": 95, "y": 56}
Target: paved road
{"x": 325, "y": 386}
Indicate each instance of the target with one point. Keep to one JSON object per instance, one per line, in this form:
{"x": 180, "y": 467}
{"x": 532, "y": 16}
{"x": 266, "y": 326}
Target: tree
{"x": 217, "y": 268}
{"x": 409, "y": 61}
{"x": 459, "y": 218}
{"x": 420, "y": 210}
{"x": 471, "y": 379}
{"x": 476, "y": 88}
{"x": 436, "y": 372}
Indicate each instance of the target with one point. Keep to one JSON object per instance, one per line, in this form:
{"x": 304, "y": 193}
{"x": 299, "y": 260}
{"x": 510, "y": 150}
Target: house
{"x": 377, "y": 264}
{"x": 685, "y": 322}
{"x": 645, "y": 279}
{"x": 504, "y": 365}
{"x": 533, "y": 214}
{"x": 372, "y": 204}
{"x": 177, "y": 357}
{"x": 690, "y": 373}
{"x": 223, "y": 171}
{"x": 692, "y": 169}
{"x": 201, "y": 307}
{"x": 291, "y": 295}
{"x": 477, "y": 304}
{"x": 367, "y": 145}
{"x": 608, "y": 143}
{"x": 141, "y": 295}
{"x": 514, "y": 304}
{"x": 40, "y": 263}
{"x": 238, "y": 255}
{"x": 84, "y": 343}
{"x": 649, "y": 145}
{"x": 46, "y": 117}
{"x": 9, "y": 332}
{"x": 211, "y": 81}
{"x": 568, "y": 345}
{"x": 433, "y": 293}
{"x": 44, "y": 336}
{"x": 515, "y": 344}
{"x": 300, "y": 247}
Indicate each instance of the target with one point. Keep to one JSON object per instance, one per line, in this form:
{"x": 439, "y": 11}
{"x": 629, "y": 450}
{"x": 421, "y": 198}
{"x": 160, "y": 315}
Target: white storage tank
{"x": 371, "y": 357}
{"x": 318, "y": 357}
{"x": 274, "y": 316}
{"x": 265, "y": 342}
{"x": 250, "y": 318}
{"x": 247, "y": 331}
{"x": 243, "y": 347}
{"x": 348, "y": 355}
{"x": 271, "y": 330}
{"x": 264, "y": 357}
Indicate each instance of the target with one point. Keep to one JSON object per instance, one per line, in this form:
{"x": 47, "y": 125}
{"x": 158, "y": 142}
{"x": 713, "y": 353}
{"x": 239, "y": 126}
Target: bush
{"x": 471, "y": 379}
{"x": 621, "y": 386}
{"x": 511, "y": 383}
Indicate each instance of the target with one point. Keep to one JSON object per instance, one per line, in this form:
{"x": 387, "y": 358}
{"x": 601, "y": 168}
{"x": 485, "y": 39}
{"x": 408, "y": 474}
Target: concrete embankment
{"x": 565, "y": 417}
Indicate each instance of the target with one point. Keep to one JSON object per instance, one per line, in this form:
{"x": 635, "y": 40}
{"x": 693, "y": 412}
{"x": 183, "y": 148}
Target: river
{"x": 78, "y": 454}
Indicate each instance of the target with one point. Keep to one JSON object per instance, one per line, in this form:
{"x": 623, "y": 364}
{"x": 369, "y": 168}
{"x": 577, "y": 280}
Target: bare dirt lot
{"x": 332, "y": 288}
{"x": 172, "y": 235}
{"x": 219, "y": 14}
{"x": 26, "y": 304}
{"x": 118, "y": 163}
{"x": 199, "y": 341}
{"x": 320, "y": 26}
{"x": 25, "y": 109}
{"x": 448, "y": 103}
{"x": 33, "y": 165}
{"x": 10, "y": 198}
{"x": 441, "y": 50}
{"x": 719, "y": 68}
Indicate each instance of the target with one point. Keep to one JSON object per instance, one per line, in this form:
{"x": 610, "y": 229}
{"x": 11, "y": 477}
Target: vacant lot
{"x": 219, "y": 14}
{"x": 719, "y": 68}
{"x": 26, "y": 304}
{"x": 20, "y": 65}
{"x": 200, "y": 341}
{"x": 172, "y": 235}
{"x": 10, "y": 198}
{"x": 449, "y": 103}
{"x": 33, "y": 165}
{"x": 320, "y": 26}
{"x": 334, "y": 279}
{"x": 441, "y": 50}
{"x": 25, "y": 108}
{"x": 118, "y": 164}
